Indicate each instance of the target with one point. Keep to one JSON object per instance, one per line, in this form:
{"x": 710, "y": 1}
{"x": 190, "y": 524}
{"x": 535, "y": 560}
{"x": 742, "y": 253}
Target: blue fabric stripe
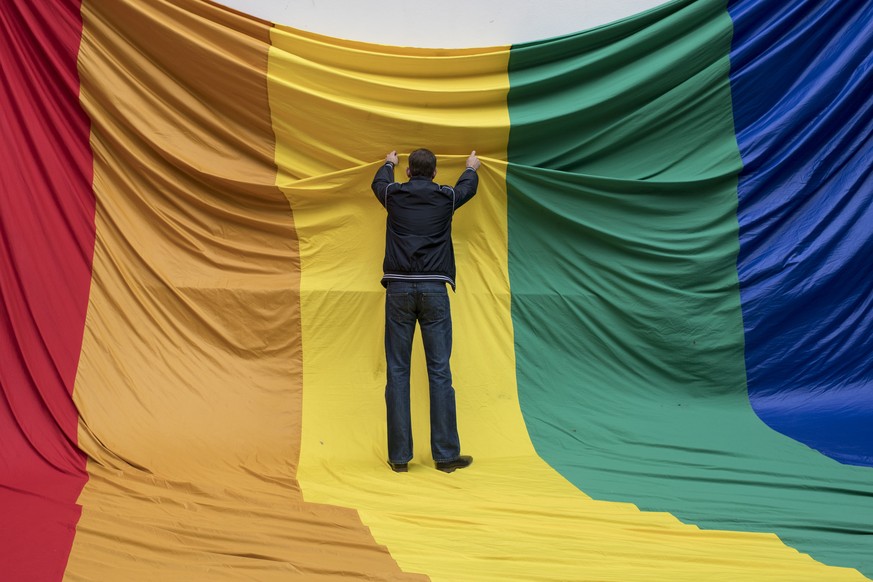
{"x": 802, "y": 81}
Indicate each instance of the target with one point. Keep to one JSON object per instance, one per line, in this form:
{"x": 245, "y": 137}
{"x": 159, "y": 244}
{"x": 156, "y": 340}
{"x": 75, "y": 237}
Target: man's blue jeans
{"x": 428, "y": 304}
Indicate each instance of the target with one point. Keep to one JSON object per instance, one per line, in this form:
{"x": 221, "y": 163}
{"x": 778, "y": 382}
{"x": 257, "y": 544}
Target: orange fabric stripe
{"x": 189, "y": 387}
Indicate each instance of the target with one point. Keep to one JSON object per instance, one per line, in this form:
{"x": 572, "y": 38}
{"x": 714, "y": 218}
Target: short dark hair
{"x": 422, "y": 162}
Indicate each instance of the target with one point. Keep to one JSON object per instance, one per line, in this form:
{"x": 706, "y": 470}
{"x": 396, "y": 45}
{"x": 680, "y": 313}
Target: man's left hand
{"x": 473, "y": 161}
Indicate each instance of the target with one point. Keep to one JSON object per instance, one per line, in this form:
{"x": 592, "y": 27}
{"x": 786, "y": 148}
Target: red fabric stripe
{"x": 46, "y": 248}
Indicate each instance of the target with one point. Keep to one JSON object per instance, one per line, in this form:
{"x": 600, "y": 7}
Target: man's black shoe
{"x": 459, "y": 463}
{"x": 399, "y": 467}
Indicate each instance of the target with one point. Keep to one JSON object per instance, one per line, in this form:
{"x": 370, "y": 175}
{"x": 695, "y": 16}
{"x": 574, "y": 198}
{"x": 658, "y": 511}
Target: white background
{"x": 442, "y": 23}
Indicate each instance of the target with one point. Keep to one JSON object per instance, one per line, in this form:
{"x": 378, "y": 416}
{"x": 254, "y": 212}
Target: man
{"x": 419, "y": 261}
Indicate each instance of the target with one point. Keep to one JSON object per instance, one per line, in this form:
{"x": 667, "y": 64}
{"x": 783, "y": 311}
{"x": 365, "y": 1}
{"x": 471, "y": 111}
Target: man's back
{"x": 418, "y": 237}
{"x": 420, "y": 207}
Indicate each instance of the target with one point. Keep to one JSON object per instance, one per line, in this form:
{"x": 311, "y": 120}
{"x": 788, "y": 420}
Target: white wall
{"x": 443, "y": 23}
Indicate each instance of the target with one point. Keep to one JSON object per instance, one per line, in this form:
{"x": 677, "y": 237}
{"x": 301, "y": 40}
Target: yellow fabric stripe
{"x": 337, "y": 108}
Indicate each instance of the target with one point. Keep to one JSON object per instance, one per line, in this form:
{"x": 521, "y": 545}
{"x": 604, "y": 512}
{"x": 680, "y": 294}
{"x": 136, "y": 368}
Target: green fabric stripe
{"x": 625, "y": 302}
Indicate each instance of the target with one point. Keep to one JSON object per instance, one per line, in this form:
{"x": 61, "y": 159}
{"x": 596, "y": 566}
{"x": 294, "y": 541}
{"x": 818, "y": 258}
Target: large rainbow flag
{"x": 663, "y": 324}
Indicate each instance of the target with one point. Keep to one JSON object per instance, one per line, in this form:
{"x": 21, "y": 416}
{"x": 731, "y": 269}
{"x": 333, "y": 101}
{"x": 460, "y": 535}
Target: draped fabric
{"x": 805, "y": 221}
{"x": 662, "y": 320}
{"x": 46, "y": 245}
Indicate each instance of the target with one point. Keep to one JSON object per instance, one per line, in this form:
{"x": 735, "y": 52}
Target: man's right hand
{"x": 473, "y": 161}
{"x": 392, "y": 157}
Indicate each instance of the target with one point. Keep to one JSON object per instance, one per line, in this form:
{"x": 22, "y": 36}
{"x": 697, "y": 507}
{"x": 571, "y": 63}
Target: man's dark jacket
{"x": 418, "y": 237}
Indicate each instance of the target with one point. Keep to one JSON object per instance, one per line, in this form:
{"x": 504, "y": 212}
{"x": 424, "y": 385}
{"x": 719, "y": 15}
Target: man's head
{"x": 422, "y": 163}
